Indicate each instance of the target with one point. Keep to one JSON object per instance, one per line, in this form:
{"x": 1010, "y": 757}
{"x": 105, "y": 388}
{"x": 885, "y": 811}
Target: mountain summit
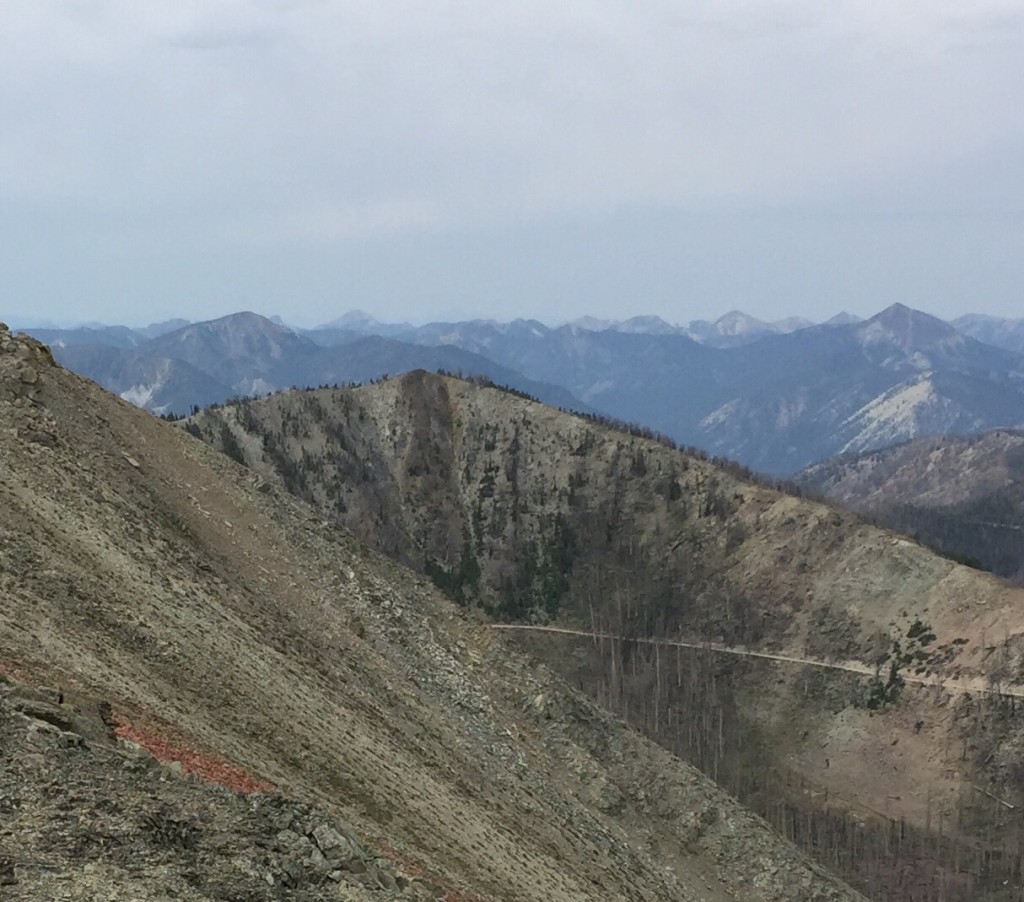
{"x": 910, "y": 330}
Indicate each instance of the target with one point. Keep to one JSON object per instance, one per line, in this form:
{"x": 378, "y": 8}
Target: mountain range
{"x": 210, "y": 691}
{"x": 772, "y": 399}
{"x": 246, "y": 354}
{"x": 993, "y": 330}
{"x": 438, "y": 640}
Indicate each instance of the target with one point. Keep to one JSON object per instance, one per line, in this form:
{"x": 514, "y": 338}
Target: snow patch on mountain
{"x": 894, "y": 416}
{"x": 722, "y": 415}
{"x": 142, "y": 395}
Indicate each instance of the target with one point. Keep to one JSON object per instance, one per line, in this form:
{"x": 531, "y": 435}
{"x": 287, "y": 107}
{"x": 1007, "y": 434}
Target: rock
{"x": 29, "y": 375}
{"x": 7, "y": 874}
{"x": 288, "y": 839}
{"x": 36, "y": 708}
{"x": 369, "y": 878}
{"x": 173, "y": 769}
{"x": 41, "y": 437}
{"x": 69, "y": 740}
{"x": 422, "y": 891}
{"x": 318, "y": 862}
{"x": 42, "y": 735}
{"x": 335, "y": 847}
{"x": 386, "y": 880}
{"x": 292, "y": 872}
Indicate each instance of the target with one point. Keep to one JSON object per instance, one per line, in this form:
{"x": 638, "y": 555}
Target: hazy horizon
{"x": 304, "y": 158}
{"x": 38, "y": 323}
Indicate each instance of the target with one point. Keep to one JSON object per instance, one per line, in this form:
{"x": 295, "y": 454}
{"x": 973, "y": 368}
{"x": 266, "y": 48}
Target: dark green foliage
{"x": 881, "y": 694}
{"x": 460, "y": 582}
{"x": 921, "y": 633}
{"x": 247, "y": 418}
{"x": 555, "y": 569}
{"x": 230, "y": 446}
{"x": 515, "y": 597}
{"x": 914, "y": 654}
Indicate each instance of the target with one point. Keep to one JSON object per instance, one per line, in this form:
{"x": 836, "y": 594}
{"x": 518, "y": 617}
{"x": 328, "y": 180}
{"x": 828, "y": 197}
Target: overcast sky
{"x": 451, "y": 159}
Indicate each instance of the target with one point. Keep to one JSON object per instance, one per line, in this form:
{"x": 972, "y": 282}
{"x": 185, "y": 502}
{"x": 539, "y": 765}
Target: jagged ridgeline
{"x": 858, "y": 690}
{"x": 208, "y": 691}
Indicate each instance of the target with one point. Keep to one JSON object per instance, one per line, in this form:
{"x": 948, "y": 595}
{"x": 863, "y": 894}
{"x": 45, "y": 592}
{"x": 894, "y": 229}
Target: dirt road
{"x": 974, "y": 684}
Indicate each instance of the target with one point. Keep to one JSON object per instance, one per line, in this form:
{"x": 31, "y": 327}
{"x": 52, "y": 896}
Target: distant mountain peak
{"x": 843, "y": 318}
{"x": 791, "y": 324}
{"x": 993, "y": 330}
{"x": 736, "y": 322}
{"x": 647, "y": 325}
{"x": 242, "y": 316}
{"x": 354, "y": 319}
{"x": 901, "y": 313}
{"x": 908, "y": 328}
{"x": 591, "y": 323}
{"x": 155, "y": 330}
{"x": 237, "y": 322}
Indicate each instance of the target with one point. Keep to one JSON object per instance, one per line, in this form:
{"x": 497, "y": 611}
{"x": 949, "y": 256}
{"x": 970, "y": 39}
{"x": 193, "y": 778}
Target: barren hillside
{"x": 963, "y": 496}
{"x": 154, "y": 591}
{"x": 884, "y": 693}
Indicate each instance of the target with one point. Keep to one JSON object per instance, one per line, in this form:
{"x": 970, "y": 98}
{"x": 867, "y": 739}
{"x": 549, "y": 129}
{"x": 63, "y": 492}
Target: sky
{"x": 450, "y": 159}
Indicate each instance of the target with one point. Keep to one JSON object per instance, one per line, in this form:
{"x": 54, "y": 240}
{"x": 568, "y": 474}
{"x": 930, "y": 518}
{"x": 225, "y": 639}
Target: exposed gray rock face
{"x": 84, "y": 815}
{"x": 20, "y": 378}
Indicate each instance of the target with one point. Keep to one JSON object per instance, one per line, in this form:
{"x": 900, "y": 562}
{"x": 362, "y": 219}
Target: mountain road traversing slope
{"x": 950, "y": 685}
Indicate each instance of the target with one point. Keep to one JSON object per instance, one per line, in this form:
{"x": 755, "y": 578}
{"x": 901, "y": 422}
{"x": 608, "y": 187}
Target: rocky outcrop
{"x": 22, "y": 359}
{"x": 88, "y": 816}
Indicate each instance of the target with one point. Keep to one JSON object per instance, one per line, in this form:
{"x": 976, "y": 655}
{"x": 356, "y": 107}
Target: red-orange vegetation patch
{"x": 193, "y": 760}
{"x": 412, "y": 868}
{"x": 25, "y": 672}
{"x": 405, "y": 864}
{"x": 13, "y": 673}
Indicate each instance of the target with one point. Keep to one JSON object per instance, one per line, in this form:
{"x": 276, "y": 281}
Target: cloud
{"x": 279, "y": 123}
{"x": 235, "y": 39}
{"x": 321, "y": 225}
